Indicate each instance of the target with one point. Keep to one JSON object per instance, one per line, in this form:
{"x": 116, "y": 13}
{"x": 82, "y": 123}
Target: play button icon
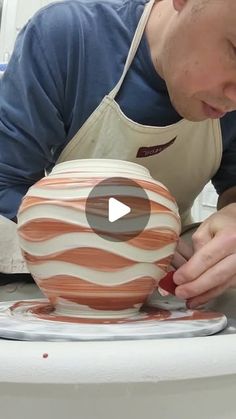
{"x": 117, "y": 209}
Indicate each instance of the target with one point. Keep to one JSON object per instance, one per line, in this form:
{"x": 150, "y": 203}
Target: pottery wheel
{"x": 34, "y": 320}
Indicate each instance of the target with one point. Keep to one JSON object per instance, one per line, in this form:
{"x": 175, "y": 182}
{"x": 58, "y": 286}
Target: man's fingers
{"x": 218, "y": 249}
{"x": 183, "y": 253}
{"x": 219, "y": 275}
{"x": 201, "y": 237}
{"x": 178, "y": 260}
{"x": 206, "y": 297}
{"x": 184, "y": 249}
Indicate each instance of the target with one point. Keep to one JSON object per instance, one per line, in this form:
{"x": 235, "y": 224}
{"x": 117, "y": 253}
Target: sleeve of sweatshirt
{"x": 32, "y": 129}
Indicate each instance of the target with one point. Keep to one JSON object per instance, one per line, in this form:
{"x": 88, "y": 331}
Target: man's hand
{"x": 183, "y": 253}
{"x": 212, "y": 267}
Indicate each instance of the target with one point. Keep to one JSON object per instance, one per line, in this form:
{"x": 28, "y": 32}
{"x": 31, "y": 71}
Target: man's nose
{"x": 230, "y": 95}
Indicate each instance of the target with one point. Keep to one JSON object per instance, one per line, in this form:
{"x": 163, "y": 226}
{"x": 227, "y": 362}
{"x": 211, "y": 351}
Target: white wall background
{"x": 15, "y": 14}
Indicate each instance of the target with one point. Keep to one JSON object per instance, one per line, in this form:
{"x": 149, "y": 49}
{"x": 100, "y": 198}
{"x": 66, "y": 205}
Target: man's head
{"x": 193, "y": 46}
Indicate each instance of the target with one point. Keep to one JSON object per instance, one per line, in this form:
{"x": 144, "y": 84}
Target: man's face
{"x": 198, "y": 58}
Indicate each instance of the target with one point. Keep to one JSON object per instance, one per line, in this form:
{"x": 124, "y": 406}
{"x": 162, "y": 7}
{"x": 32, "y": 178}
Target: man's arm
{"x": 31, "y": 113}
{"x": 212, "y": 267}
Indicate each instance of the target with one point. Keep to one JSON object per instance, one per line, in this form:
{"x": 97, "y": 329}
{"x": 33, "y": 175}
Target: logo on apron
{"x": 155, "y": 149}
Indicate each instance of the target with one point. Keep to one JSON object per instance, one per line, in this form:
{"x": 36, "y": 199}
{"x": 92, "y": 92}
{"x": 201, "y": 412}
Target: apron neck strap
{"x": 134, "y": 46}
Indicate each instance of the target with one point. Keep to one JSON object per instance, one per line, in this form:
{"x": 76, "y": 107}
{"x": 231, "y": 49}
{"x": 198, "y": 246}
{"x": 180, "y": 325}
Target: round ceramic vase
{"x": 83, "y": 274}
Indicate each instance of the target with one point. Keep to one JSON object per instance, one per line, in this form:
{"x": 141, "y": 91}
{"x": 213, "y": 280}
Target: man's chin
{"x": 187, "y": 112}
{"x": 190, "y": 116}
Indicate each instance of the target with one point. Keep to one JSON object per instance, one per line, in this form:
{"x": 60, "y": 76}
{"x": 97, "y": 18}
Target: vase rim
{"x": 101, "y": 164}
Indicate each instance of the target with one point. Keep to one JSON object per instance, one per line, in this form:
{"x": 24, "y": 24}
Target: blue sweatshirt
{"x": 65, "y": 60}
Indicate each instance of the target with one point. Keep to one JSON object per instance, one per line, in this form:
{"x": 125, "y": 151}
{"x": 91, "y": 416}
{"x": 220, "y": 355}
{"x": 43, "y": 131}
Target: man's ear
{"x": 179, "y": 4}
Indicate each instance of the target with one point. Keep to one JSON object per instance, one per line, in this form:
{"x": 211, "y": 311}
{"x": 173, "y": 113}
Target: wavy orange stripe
{"x": 95, "y": 296}
{"x": 42, "y": 230}
{"x": 90, "y": 181}
{"x": 68, "y": 182}
{"x": 98, "y": 206}
{"x": 102, "y": 260}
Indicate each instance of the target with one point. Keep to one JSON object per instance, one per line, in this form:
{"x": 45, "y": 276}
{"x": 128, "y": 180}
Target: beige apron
{"x": 189, "y": 153}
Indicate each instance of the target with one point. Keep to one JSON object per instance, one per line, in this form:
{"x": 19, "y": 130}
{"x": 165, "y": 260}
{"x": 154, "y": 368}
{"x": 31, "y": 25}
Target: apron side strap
{"x": 134, "y": 46}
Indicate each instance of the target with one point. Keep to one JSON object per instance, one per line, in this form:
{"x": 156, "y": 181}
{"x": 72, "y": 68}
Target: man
{"x": 77, "y": 87}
